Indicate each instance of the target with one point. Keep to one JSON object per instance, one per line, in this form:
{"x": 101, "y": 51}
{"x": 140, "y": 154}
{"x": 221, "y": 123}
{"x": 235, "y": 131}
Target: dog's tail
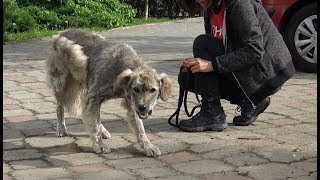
{"x": 66, "y": 72}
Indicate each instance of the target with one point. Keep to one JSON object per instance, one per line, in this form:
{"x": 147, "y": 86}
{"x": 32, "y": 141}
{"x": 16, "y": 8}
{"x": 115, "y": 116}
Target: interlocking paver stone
{"x": 226, "y": 176}
{"x": 43, "y": 173}
{"x": 167, "y": 146}
{"x": 135, "y": 163}
{"x": 109, "y": 174}
{"x": 18, "y": 112}
{"x": 215, "y": 144}
{"x": 179, "y": 157}
{"x": 302, "y": 178}
{"x": 280, "y": 144}
{"x": 284, "y": 153}
{"x": 21, "y": 154}
{"x": 307, "y": 166}
{"x": 75, "y": 159}
{"x": 11, "y": 134}
{"x": 48, "y": 141}
{"x": 28, "y": 164}
{"x": 156, "y": 172}
{"x": 202, "y": 167}
{"x": 245, "y": 159}
{"x": 86, "y": 168}
{"x": 6, "y": 168}
{"x": 28, "y": 125}
{"x": 272, "y": 171}
{"x": 222, "y": 153}
{"x": 179, "y": 177}
{"x": 13, "y": 145}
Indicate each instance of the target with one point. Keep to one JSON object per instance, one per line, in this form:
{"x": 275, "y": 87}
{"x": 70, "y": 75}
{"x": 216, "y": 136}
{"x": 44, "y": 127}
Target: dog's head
{"x": 142, "y": 88}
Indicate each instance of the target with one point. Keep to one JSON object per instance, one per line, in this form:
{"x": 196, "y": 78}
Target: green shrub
{"x": 17, "y": 19}
{"x": 60, "y": 14}
{"x": 47, "y": 19}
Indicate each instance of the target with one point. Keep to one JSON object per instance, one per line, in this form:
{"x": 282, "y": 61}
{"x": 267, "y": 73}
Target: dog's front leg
{"x": 137, "y": 126}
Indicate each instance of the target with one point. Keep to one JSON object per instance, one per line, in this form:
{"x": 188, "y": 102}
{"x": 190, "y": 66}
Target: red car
{"x": 297, "y": 22}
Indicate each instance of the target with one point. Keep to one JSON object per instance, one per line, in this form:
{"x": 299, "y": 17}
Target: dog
{"x": 85, "y": 69}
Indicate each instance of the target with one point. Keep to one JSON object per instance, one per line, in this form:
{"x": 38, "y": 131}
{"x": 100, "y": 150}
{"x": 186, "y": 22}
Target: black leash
{"x": 183, "y": 95}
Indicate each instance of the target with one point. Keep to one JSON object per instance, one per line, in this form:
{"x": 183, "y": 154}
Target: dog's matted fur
{"x": 84, "y": 70}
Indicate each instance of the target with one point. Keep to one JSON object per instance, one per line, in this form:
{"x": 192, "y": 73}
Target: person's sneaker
{"x": 249, "y": 114}
{"x": 200, "y": 122}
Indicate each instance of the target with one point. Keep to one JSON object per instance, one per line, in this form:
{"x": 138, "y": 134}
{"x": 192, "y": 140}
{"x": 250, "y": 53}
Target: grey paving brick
{"x": 6, "y": 168}
{"x": 245, "y": 159}
{"x": 302, "y": 178}
{"x": 12, "y": 134}
{"x": 156, "y": 172}
{"x": 215, "y": 144}
{"x": 28, "y": 125}
{"x": 222, "y": 153}
{"x": 272, "y": 171}
{"x": 18, "y": 112}
{"x": 227, "y": 176}
{"x": 40, "y": 107}
{"x": 135, "y": 163}
{"x": 179, "y": 177}
{"x": 190, "y": 138}
{"x": 43, "y": 173}
{"x": 21, "y": 154}
{"x": 28, "y": 164}
{"x": 50, "y": 140}
{"x": 25, "y": 95}
{"x": 13, "y": 145}
{"x": 284, "y": 153}
{"x": 167, "y": 146}
{"x": 202, "y": 167}
{"x": 109, "y": 174}
{"x": 75, "y": 159}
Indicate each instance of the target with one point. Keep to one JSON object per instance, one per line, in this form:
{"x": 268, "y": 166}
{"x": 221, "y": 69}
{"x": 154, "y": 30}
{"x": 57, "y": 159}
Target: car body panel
{"x": 278, "y": 8}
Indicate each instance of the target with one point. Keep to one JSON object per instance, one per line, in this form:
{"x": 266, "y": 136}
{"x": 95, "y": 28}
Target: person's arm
{"x": 246, "y": 25}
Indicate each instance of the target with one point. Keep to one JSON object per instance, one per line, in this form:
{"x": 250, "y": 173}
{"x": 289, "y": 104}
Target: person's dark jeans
{"x": 211, "y": 84}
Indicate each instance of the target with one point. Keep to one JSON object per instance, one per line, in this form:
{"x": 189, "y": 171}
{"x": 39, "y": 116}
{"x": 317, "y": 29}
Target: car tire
{"x": 306, "y": 62}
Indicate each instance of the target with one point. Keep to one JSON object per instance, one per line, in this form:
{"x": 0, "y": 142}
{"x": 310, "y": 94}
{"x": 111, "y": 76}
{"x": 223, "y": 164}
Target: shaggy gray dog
{"x": 85, "y": 70}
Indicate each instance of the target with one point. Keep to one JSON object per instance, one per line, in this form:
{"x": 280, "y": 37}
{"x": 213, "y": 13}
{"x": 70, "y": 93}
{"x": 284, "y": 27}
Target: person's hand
{"x": 184, "y": 64}
{"x": 199, "y": 65}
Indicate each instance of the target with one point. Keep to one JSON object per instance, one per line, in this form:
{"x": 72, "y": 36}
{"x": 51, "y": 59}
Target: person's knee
{"x": 200, "y": 40}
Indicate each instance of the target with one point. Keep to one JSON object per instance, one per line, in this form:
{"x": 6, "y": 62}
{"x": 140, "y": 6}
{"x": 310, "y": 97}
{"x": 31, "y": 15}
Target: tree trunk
{"x": 146, "y": 9}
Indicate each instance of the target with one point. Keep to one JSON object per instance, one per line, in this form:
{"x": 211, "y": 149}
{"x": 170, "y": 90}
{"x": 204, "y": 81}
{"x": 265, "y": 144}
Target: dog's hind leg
{"x": 136, "y": 125}
{"x": 61, "y": 125}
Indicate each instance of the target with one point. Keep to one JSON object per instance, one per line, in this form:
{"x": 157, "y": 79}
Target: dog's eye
{"x": 136, "y": 90}
{"x": 152, "y": 90}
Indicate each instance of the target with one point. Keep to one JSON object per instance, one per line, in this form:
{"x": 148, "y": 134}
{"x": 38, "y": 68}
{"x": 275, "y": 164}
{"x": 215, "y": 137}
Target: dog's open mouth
{"x": 144, "y": 115}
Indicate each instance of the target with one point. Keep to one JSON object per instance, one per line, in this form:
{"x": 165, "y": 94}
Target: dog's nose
{"x": 142, "y": 108}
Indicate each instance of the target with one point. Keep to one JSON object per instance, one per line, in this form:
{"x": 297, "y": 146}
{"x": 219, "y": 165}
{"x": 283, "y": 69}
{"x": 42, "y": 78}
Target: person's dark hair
{"x": 216, "y": 6}
{"x": 191, "y": 6}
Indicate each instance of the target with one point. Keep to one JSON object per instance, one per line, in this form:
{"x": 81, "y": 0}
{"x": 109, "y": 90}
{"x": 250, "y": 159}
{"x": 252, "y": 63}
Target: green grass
{"x": 38, "y": 33}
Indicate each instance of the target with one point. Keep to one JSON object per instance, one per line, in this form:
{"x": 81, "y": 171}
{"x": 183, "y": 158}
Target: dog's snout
{"x": 142, "y": 108}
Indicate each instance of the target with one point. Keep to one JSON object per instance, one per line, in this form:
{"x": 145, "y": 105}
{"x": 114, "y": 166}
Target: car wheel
{"x": 301, "y": 38}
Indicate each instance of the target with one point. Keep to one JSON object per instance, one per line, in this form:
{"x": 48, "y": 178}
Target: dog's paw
{"x": 61, "y": 131}
{"x": 152, "y": 150}
{"x": 101, "y": 148}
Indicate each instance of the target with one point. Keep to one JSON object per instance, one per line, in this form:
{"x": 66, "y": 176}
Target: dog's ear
{"x": 122, "y": 80}
{"x": 166, "y": 87}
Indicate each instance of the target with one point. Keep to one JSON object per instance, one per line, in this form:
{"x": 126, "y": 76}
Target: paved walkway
{"x": 280, "y": 145}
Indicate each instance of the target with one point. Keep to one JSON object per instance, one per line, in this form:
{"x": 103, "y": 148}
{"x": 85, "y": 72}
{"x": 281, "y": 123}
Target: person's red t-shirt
{"x": 216, "y": 21}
